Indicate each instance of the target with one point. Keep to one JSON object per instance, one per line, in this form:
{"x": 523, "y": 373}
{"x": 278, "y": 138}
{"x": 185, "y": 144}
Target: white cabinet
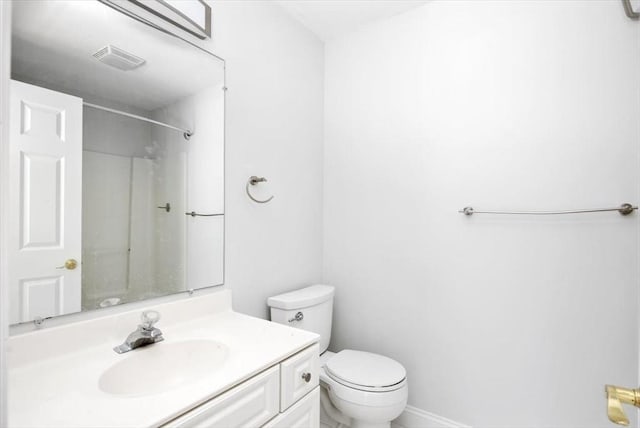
{"x": 250, "y": 404}
{"x": 299, "y": 375}
{"x": 283, "y": 396}
{"x": 303, "y": 414}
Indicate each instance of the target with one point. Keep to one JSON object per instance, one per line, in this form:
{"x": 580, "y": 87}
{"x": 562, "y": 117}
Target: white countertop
{"x": 53, "y": 373}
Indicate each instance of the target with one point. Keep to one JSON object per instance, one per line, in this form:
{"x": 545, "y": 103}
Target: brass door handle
{"x": 617, "y": 395}
{"x": 69, "y": 264}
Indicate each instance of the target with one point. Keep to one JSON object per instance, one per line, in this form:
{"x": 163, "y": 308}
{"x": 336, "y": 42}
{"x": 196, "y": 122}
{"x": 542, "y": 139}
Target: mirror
{"x": 117, "y": 161}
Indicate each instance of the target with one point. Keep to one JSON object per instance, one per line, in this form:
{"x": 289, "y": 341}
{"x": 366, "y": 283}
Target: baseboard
{"x": 412, "y": 417}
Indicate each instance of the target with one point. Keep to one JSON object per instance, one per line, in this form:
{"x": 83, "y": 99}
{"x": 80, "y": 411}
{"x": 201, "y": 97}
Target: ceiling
{"x": 53, "y": 43}
{"x": 332, "y": 18}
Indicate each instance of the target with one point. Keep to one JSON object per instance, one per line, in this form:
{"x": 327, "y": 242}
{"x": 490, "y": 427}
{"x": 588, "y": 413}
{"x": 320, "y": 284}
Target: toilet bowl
{"x": 368, "y": 388}
{"x": 365, "y": 390}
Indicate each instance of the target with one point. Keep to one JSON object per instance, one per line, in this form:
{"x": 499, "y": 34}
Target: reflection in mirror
{"x": 117, "y": 135}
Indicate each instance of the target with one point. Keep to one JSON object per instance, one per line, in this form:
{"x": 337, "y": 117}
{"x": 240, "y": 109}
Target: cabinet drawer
{"x": 249, "y": 404}
{"x": 298, "y": 375}
{"x": 304, "y": 414}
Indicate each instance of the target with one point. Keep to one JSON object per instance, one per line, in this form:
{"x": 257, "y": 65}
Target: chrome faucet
{"x": 145, "y": 334}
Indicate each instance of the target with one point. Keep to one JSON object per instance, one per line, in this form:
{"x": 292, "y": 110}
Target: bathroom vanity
{"x": 215, "y": 368}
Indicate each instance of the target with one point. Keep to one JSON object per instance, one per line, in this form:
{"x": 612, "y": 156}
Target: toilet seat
{"x": 365, "y": 371}
{"x": 363, "y": 397}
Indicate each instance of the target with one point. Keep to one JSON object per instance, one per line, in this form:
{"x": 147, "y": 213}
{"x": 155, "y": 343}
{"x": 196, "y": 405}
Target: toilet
{"x": 358, "y": 389}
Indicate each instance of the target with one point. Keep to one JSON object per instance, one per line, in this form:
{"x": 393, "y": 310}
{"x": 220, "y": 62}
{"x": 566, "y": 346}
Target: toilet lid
{"x": 365, "y": 369}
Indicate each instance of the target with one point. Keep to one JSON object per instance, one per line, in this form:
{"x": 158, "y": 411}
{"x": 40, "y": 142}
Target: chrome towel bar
{"x": 195, "y": 214}
{"x": 624, "y": 209}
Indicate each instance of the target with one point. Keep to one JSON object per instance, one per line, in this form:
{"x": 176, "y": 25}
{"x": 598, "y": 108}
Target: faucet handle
{"x": 149, "y": 318}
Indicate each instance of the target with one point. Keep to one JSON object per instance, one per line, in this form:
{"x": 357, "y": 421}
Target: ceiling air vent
{"x": 118, "y": 58}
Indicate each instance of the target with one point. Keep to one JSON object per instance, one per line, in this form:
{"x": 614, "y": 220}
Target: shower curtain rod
{"x": 185, "y": 132}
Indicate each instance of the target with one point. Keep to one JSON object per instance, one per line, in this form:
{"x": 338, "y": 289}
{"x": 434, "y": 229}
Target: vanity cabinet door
{"x": 299, "y": 374}
{"x": 304, "y": 414}
{"x": 250, "y": 404}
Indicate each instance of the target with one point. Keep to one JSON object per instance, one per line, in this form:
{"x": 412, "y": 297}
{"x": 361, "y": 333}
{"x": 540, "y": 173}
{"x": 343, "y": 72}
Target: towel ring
{"x": 253, "y": 180}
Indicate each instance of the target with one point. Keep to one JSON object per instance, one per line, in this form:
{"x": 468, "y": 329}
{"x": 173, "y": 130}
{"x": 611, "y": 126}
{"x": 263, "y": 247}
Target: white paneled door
{"x": 46, "y": 189}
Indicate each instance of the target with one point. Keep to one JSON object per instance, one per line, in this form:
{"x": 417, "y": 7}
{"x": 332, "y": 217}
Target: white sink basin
{"x": 163, "y": 366}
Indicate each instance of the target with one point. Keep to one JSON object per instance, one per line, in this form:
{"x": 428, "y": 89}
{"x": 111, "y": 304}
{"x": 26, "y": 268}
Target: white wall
{"x": 500, "y": 321}
{"x": 274, "y": 128}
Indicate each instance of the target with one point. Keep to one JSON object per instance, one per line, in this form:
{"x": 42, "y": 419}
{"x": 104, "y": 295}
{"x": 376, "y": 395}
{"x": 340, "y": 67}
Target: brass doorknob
{"x": 617, "y": 395}
{"x": 69, "y": 264}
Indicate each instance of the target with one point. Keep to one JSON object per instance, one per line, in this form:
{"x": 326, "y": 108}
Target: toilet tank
{"x": 315, "y": 303}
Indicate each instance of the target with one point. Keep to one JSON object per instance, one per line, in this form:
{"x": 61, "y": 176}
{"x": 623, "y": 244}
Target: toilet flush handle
{"x": 298, "y": 317}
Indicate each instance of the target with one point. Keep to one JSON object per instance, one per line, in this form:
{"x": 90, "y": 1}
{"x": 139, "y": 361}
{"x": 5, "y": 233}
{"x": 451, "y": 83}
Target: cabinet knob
{"x": 306, "y": 377}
